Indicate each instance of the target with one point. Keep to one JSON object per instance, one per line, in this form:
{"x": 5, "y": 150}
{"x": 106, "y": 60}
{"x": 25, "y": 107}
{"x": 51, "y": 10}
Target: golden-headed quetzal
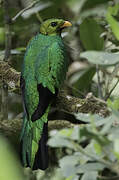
{"x": 44, "y": 70}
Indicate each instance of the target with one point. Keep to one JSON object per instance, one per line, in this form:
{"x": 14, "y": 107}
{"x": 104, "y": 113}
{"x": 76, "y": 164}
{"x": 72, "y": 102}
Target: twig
{"x": 113, "y": 167}
{"x": 109, "y": 73}
{"x": 7, "y": 20}
{"x": 4, "y": 101}
{"x": 108, "y": 178}
{"x": 102, "y": 161}
{"x": 23, "y": 10}
{"x": 1, "y": 2}
{"x": 113, "y": 74}
{"x": 108, "y": 94}
{"x": 39, "y": 17}
{"x": 82, "y": 2}
{"x": 99, "y": 83}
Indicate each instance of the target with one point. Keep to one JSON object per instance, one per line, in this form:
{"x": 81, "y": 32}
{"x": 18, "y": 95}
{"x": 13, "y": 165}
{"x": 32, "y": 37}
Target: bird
{"x": 43, "y": 72}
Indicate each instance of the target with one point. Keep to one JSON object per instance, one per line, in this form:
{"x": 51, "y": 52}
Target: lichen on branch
{"x": 64, "y": 102}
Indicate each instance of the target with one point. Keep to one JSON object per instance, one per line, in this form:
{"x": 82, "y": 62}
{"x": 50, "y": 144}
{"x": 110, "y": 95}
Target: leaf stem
{"x": 23, "y": 10}
{"x": 113, "y": 167}
{"x": 8, "y": 37}
{"x": 113, "y": 74}
{"x": 109, "y": 178}
{"x": 99, "y": 83}
{"x": 108, "y": 95}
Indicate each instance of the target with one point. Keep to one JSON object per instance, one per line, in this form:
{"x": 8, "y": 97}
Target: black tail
{"x": 41, "y": 158}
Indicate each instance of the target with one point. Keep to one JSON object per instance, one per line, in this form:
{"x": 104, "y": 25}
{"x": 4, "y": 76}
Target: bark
{"x": 64, "y": 102}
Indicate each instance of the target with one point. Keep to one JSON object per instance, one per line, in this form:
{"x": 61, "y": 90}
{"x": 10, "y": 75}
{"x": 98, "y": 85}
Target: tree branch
{"x": 7, "y": 20}
{"x": 12, "y": 128}
{"x": 90, "y": 104}
{"x": 64, "y": 102}
{"x": 23, "y": 10}
{"x": 10, "y": 76}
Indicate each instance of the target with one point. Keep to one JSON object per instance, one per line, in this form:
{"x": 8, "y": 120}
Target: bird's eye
{"x": 53, "y": 24}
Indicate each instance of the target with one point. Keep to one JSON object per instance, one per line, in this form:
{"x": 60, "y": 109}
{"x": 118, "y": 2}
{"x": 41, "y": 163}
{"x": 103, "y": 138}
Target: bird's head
{"x": 53, "y": 26}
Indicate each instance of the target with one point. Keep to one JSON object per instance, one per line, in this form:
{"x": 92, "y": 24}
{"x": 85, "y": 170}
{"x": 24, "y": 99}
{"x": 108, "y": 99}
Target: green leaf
{"x": 90, "y": 167}
{"x": 71, "y": 133}
{"x": 75, "y": 177}
{"x": 85, "y": 131}
{"x": 90, "y": 176}
{"x": 116, "y": 148}
{"x": 97, "y": 120}
{"x": 107, "y": 126}
{"x": 90, "y": 4}
{"x": 68, "y": 165}
{"x": 90, "y": 149}
{"x": 113, "y": 10}
{"x": 98, "y": 148}
{"x": 83, "y": 76}
{"x": 113, "y": 134}
{"x": 10, "y": 167}
{"x": 66, "y": 132}
{"x": 90, "y": 32}
{"x": 2, "y": 36}
{"x": 63, "y": 137}
{"x": 101, "y": 58}
{"x": 69, "y": 178}
{"x": 58, "y": 141}
{"x": 113, "y": 104}
{"x": 114, "y": 24}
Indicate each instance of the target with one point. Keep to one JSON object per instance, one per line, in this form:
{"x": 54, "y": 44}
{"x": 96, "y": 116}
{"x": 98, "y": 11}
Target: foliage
{"x": 90, "y": 149}
{"x": 10, "y": 167}
{"x": 92, "y": 42}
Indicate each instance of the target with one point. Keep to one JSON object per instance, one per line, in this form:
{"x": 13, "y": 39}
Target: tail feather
{"x": 41, "y": 158}
{"x": 25, "y": 143}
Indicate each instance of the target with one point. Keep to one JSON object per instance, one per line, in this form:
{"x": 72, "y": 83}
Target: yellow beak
{"x": 66, "y": 24}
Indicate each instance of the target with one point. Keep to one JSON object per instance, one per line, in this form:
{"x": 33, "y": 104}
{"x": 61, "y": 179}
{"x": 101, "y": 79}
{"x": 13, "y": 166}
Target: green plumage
{"x": 45, "y": 64}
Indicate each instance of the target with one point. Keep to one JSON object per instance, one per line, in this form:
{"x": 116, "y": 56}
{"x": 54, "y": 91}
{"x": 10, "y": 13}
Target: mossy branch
{"x": 64, "y": 102}
{"x": 12, "y": 128}
{"x": 10, "y": 76}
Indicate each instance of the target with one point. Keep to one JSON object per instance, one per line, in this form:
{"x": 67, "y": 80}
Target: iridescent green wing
{"x": 58, "y": 63}
{"x": 53, "y": 66}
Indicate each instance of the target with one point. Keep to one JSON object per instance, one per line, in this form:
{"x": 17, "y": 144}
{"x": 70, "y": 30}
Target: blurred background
{"x": 93, "y": 43}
